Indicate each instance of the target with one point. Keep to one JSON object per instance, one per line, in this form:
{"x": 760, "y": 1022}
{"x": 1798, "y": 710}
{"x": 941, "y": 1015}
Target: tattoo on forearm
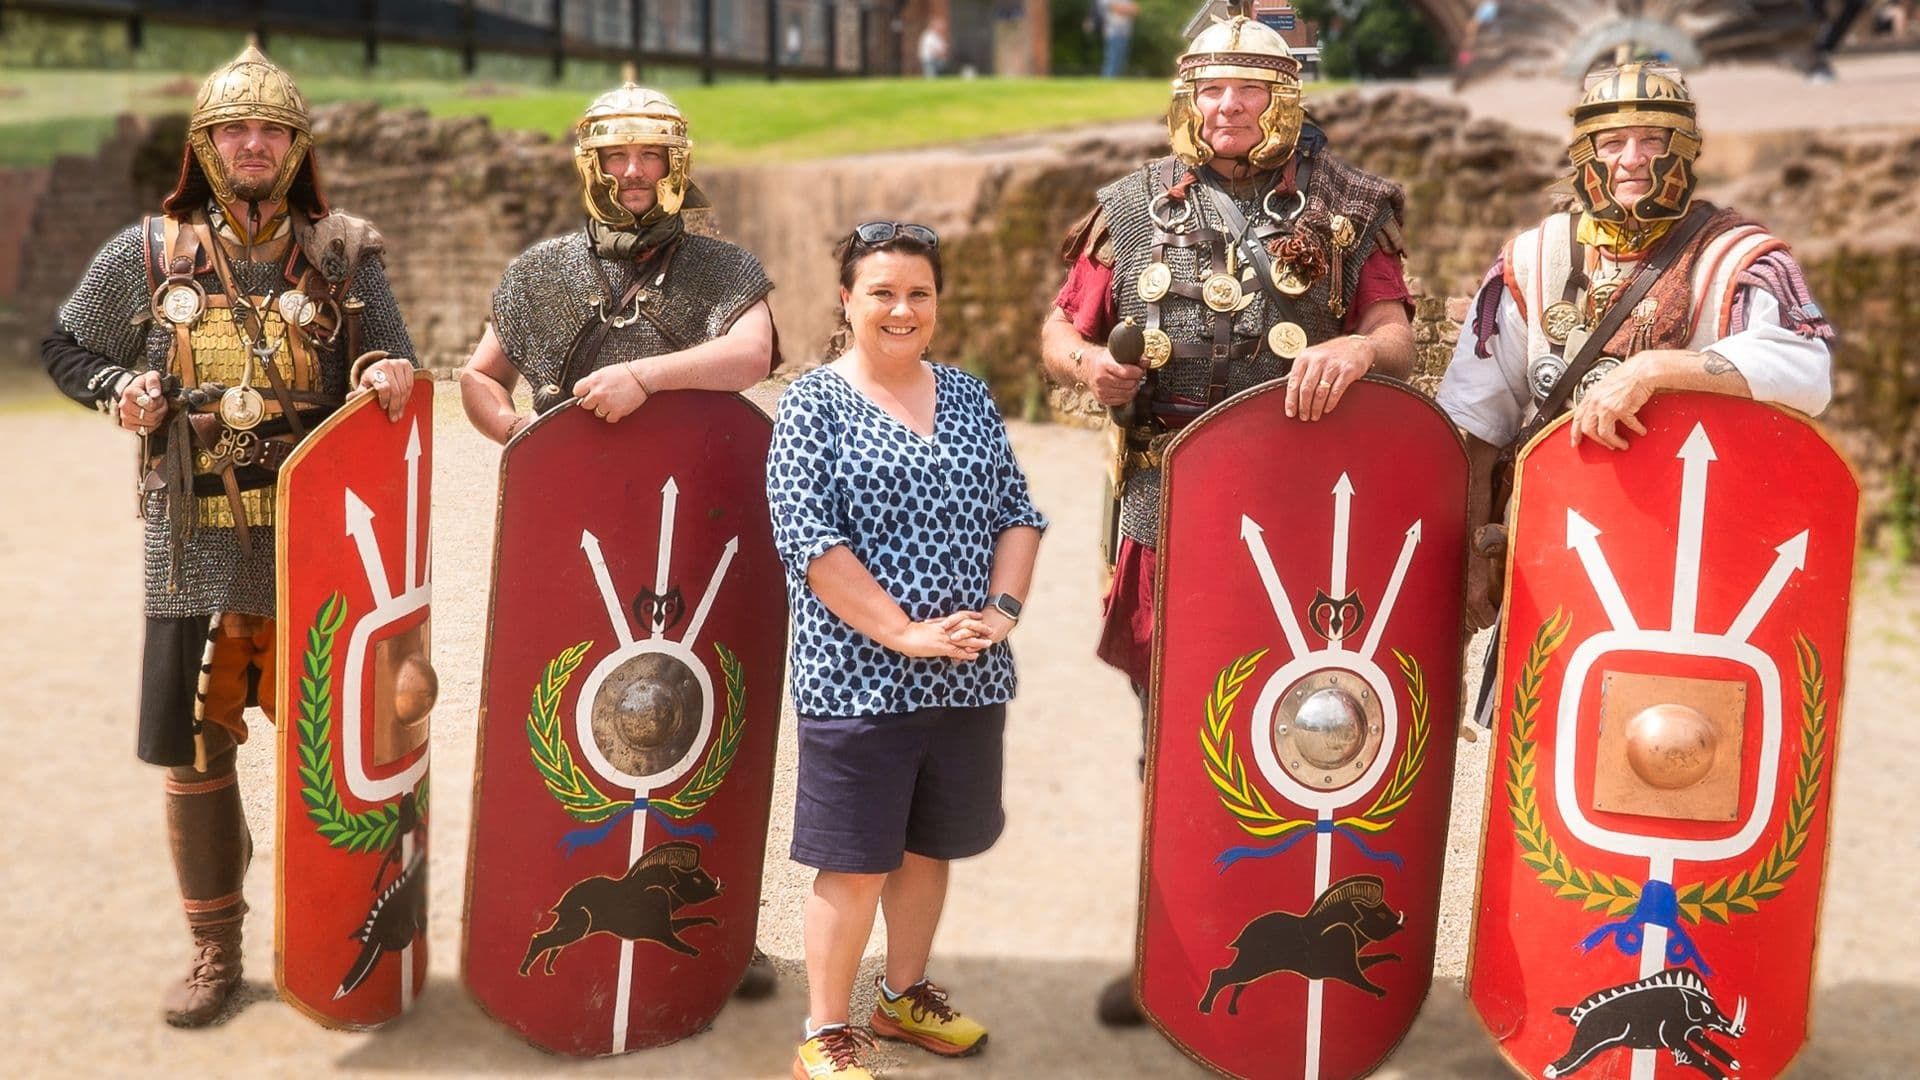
{"x": 1715, "y": 364}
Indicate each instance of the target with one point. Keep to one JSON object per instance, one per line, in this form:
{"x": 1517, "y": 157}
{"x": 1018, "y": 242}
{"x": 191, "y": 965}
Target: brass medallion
{"x": 1156, "y": 349}
{"x": 182, "y": 305}
{"x": 1289, "y": 281}
{"x": 297, "y": 308}
{"x": 1154, "y": 281}
{"x": 1221, "y": 292}
{"x": 242, "y": 408}
{"x": 1342, "y": 230}
{"x": 1287, "y": 340}
{"x": 1558, "y": 320}
{"x": 1598, "y": 299}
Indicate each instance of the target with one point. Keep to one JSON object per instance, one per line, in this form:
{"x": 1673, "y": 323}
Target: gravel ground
{"x": 1032, "y": 929}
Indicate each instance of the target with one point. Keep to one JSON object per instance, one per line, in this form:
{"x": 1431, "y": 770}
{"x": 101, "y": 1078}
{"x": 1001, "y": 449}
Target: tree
{"x": 1371, "y": 37}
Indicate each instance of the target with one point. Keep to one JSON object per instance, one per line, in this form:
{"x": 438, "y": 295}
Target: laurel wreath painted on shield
{"x": 1717, "y": 901}
{"x": 1244, "y": 800}
{"x": 575, "y": 790}
{"x": 370, "y": 830}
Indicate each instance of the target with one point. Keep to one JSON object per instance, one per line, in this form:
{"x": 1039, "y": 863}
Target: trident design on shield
{"x": 1671, "y": 783}
{"x": 1325, "y": 727}
{"x": 394, "y": 722}
{"x": 644, "y": 715}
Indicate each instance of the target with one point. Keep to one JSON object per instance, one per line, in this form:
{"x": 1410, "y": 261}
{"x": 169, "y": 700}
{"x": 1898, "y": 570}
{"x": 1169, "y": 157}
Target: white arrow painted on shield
{"x": 1584, "y": 539}
{"x": 669, "y": 497}
{"x": 1316, "y": 988}
{"x": 623, "y": 992}
{"x": 1385, "y": 610}
{"x": 713, "y": 588}
{"x": 1256, "y": 541}
{"x": 413, "y": 575}
{"x": 1342, "y": 519}
{"x": 1788, "y": 557}
{"x": 616, "y": 614}
{"x": 1696, "y": 454}
{"x": 360, "y": 527}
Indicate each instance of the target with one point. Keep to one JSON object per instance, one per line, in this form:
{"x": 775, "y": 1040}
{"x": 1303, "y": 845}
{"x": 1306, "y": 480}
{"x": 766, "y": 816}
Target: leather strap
{"x": 1649, "y": 271}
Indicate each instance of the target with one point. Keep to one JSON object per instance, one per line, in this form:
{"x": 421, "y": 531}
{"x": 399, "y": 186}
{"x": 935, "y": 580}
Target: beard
{"x": 249, "y": 189}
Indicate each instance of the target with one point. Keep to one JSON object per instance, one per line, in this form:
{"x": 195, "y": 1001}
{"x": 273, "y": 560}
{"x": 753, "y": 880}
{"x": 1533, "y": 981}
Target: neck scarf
{"x": 1618, "y": 240}
{"x": 632, "y": 244}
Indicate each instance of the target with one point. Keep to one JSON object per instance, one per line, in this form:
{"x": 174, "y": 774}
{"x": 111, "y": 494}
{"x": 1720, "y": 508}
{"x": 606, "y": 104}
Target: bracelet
{"x": 513, "y": 427}
{"x": 636, "y": 377}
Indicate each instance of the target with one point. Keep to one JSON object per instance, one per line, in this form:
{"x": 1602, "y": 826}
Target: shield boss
{"x": 647, "y": 713}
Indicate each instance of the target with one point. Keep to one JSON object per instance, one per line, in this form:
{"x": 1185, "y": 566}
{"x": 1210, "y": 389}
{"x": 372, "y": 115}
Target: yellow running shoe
{"x": 921, "y": 1015}
{"x": 833, "y": 1052}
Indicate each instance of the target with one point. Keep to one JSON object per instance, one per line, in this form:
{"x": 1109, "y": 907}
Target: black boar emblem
{"x": 1670, "y": 1010}
{"x": 1324, "y": 943}
{"x": 637, "y": 907}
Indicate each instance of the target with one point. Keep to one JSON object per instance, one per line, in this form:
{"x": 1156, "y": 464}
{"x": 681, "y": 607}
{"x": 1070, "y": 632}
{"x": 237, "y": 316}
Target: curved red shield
{"x": 631, "y": 698}
{"x": 351, "y": 701}
{"x": 1670, "y": 676}
{"x": 1306, "y": 653}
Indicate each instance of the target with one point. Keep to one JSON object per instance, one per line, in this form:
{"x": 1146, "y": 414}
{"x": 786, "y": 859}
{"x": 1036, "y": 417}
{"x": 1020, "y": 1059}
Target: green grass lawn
{"x": 46, "y": 113}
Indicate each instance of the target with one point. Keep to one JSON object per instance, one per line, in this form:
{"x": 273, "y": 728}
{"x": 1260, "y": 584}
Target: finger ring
{"x": 142, "y": 400}
{"x": 601, "y": 413}
{"x": 378, "y": 378}
{"x": 1326, "y": 384}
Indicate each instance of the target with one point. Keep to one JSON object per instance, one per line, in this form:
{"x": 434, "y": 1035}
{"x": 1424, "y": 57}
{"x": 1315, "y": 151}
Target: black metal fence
{"x": 777, "y": 38}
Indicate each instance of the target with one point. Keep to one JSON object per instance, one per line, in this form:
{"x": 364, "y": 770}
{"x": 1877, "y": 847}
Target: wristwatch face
{"x": 1006, "y": 605}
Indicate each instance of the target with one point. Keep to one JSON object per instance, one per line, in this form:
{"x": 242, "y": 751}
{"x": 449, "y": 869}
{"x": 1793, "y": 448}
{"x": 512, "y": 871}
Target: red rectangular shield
{"x": 1674, "y": 638}
{"x": 635, "y": 662}
{"x": 352, "y": 697}
{"x": 1300, "y": 763}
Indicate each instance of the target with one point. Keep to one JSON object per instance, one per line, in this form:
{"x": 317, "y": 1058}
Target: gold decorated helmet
{"x": 249, "y": 87}
{"x": 1238, "y": 48}
{"x": 1636, "y": 95}
{"x": 631, "y": 114}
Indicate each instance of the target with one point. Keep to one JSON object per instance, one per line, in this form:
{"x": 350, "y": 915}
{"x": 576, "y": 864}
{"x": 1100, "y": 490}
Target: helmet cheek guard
{"x": 1279, "y": 126}
{"x": 1183, "y": 128}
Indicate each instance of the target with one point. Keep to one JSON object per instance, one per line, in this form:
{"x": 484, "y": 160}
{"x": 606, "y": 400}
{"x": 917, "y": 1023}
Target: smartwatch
{"x": 1005, "y": 605}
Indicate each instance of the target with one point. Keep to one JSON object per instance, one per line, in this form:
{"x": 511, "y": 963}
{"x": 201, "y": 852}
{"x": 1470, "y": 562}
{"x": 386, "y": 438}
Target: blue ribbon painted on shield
{"x": 581, "y": 838}
{"x": 1659, "y": 906}
{"x": 1352, "y": 835}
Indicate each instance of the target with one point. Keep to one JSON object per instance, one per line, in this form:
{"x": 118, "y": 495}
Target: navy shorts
{"x": 872, "y": 787}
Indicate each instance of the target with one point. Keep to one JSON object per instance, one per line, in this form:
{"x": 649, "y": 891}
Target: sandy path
{"x": 1032, "y": 929}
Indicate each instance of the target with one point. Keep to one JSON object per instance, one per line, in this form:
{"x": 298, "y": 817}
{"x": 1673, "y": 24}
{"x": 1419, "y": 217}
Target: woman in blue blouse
{"x": 909, "y": 541}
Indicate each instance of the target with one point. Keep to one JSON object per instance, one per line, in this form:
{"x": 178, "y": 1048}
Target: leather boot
{"x": 207, "y": 830}
{"x": 202, "y": 996}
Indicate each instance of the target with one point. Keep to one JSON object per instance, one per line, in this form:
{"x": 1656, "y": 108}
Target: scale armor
{"x": 1370, "y": 202}
{"x": 109, "y": 314}
{"x": 552, "y": 291}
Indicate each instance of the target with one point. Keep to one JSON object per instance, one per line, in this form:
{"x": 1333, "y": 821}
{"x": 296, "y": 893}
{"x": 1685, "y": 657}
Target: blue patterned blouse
{"x": 921, "y": 514}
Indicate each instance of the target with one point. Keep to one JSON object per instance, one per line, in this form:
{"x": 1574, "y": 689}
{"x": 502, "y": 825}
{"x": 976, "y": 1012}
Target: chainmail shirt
{"x": 109, "y": 314}
{"x": 554, "y": 289}
{"x": 1367, "y": 200}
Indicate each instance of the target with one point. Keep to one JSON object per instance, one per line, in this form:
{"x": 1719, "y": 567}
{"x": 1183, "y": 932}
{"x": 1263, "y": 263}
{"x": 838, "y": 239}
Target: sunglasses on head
{"x": 874, "y": 233}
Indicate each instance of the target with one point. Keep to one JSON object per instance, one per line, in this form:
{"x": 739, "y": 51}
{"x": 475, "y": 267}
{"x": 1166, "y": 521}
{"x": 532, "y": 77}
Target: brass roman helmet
{"x": 249, "y": 87}
{"x": 631, "y": 114}
{"x": 1636, "y": 95}
{"x": 1238, "y": 48}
